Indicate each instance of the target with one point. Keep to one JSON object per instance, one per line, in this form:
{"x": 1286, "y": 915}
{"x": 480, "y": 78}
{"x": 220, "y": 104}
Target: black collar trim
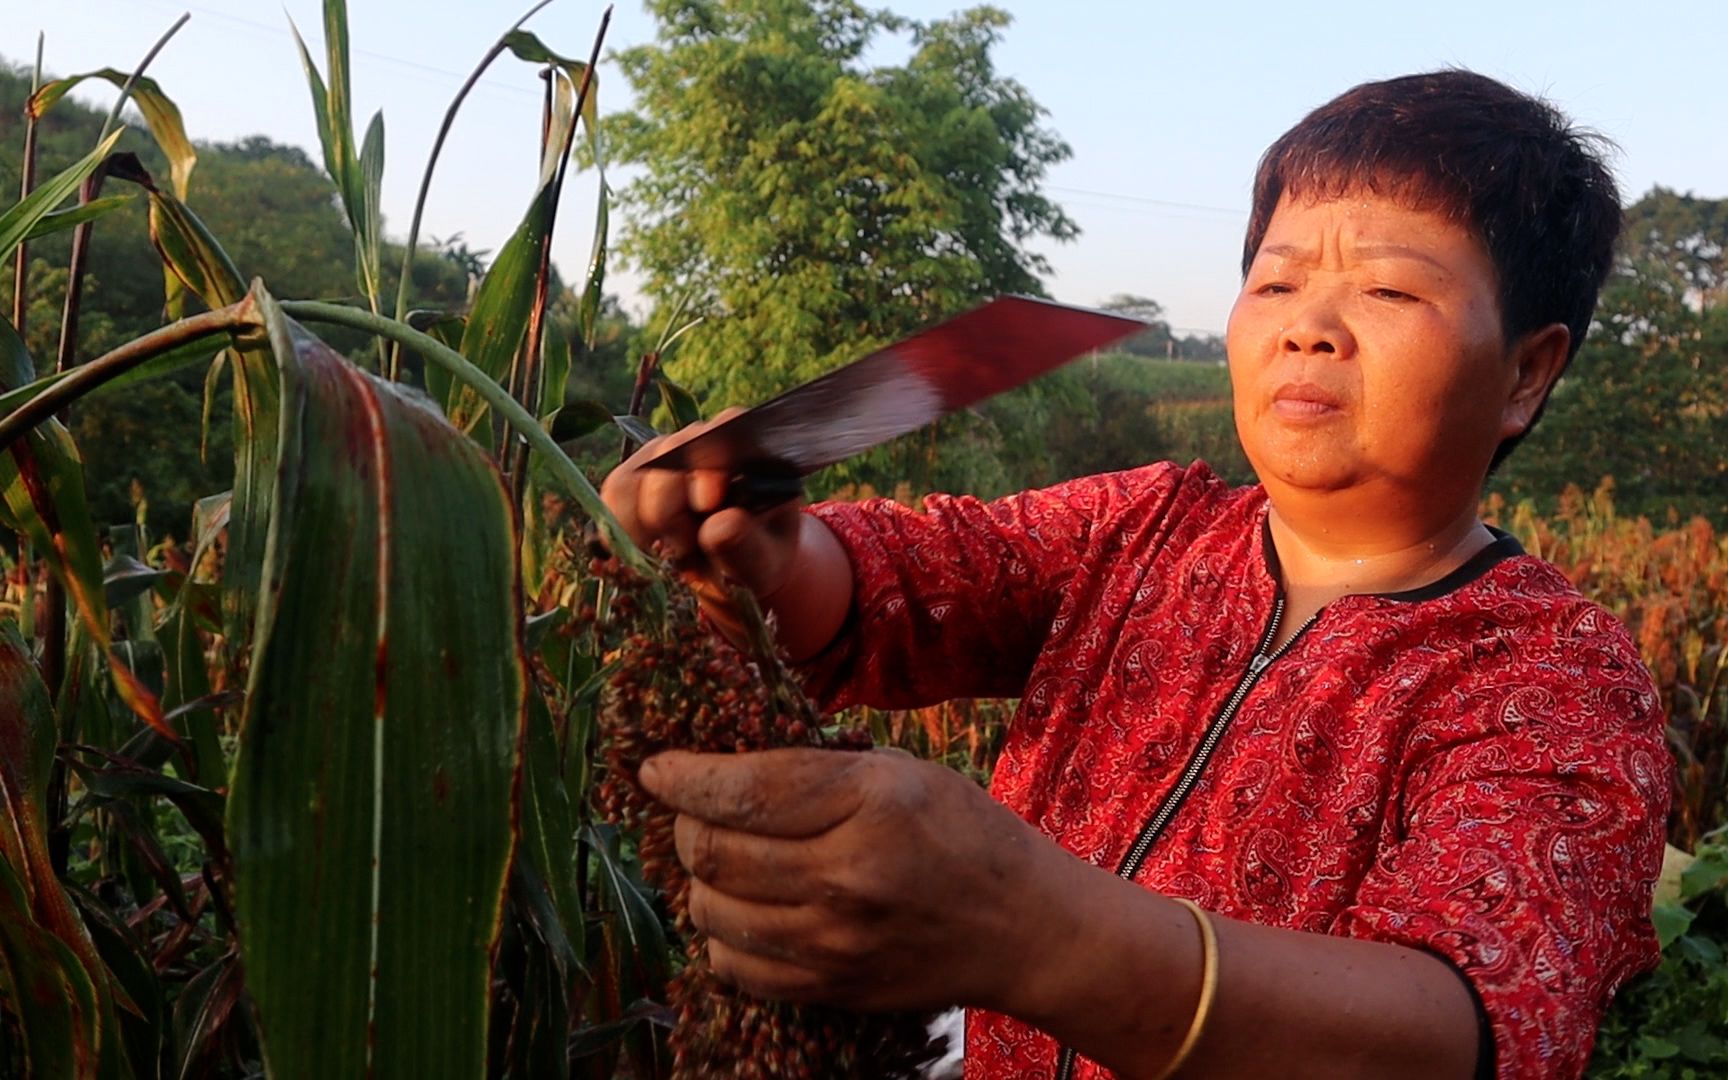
{"x": 1505, "y": 546}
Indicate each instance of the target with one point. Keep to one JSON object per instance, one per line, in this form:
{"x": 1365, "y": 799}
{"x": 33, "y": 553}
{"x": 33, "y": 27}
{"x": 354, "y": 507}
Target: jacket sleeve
{"x": 957, "y": 600}
{"x": 1528, "y": 841}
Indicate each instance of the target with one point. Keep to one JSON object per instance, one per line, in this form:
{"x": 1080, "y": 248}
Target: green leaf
{"x": 125, "y": 578}
{"x": 160, "y": 113}
{"x": 335, "y": 163}
{"x": 195, "y": 258}
{"x": 528, "y": 47}
{"x": 23, "y": 216}
{"x": 594, "y": 287}
{"x": 61, "y": 220}
{"x": 554, "y": 370}
{"x": 370, "y": 812}
{"x": 448, "y": 329}
{"x": 579, "y": 418}
{"x": 1670, "y": 921}
{"x": 643, "y": 952}
{"x": 368, "y": 211}
{"x": 503, "y": 304}
{"x": 638, "y": 429}
{"x": 1656, "y": 1048}
{"x": 1706, "y": 873}
{"x": 680, "y": 402}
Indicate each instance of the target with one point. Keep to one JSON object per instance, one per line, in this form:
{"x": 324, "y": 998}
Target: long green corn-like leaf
{"x": 368, "y": 213}
{"x": 370, "y": 813}
{"x": 62, "y": 220}
{"x": 20, "y": 218}
{"x": 502, "y": 306}
{"x": 530, "y": 48}
{"x": 194, "y": 256}
{"x": 160, "y": 113}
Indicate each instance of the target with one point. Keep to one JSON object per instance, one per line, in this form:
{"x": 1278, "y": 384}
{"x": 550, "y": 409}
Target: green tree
{"x": 1646, "y": 399}
{"x": 818, "y": 205}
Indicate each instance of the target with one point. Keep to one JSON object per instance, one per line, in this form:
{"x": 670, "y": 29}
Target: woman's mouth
{"x": 1305, "y": 401}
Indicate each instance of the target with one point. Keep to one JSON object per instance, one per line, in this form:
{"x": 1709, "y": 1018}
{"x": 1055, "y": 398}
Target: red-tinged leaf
{"x": 45, "y": 985}
{"x": 43, "y": 478}
{"x": 371, "y": 807}
{"x": 50, "y": 961}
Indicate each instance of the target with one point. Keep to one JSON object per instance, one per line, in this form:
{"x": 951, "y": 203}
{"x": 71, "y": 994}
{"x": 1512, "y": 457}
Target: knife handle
{"x": 757, "y": 491}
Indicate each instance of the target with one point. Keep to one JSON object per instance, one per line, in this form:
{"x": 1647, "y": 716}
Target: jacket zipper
{"x": 1172, "y": 802}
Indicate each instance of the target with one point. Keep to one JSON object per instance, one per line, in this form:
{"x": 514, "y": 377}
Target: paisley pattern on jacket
{"x": 1476, "y": 769}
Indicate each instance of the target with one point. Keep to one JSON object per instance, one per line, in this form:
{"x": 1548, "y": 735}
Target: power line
{"x": 415, "y": 65}
{"x": 1234, "y": 211}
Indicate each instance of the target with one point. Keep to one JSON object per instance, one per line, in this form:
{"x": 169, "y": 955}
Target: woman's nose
{"x": 1316, "y": 327}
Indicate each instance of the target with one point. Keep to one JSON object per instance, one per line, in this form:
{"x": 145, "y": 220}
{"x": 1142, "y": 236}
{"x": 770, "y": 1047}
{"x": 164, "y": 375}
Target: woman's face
{"x": 1367, "y": 354}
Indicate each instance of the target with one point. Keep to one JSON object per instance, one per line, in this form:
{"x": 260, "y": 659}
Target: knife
{"x": 896, "y": 390}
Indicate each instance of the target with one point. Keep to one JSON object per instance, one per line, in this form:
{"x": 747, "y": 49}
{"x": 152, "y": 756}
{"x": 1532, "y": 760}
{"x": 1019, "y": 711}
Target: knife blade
{"x": 896, "y": 390}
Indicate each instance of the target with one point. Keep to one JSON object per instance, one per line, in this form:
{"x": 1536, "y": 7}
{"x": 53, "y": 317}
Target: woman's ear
{"x": 1539, "y": 357}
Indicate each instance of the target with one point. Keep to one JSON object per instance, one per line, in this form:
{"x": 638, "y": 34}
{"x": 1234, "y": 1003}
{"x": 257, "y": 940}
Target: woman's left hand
{"x": 866, "y": 880}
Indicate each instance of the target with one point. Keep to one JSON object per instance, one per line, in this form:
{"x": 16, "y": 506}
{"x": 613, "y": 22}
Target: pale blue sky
{"x": 1167, "y": 106}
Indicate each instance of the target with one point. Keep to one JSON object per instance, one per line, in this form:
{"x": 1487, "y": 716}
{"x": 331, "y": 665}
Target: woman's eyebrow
{"x": 1300, "y": 254}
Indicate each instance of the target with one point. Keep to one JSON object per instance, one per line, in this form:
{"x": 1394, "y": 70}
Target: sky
{"x": 1166, "y": 106}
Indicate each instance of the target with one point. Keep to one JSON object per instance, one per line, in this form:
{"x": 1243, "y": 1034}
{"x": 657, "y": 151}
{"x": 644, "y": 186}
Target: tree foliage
{"x": 1646, "y": 399}
{"x": 817, "y": 204}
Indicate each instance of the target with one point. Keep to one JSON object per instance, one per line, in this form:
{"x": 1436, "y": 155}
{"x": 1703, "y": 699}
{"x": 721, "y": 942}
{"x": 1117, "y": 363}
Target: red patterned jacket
{"x": 1475, "y": 768}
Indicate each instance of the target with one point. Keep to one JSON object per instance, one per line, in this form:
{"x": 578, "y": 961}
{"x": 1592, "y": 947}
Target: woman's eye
{"x": 1390, "y": 294}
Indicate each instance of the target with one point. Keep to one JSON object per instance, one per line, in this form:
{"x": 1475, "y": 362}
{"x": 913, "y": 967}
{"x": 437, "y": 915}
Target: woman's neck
{"x": 1375, "y": 557}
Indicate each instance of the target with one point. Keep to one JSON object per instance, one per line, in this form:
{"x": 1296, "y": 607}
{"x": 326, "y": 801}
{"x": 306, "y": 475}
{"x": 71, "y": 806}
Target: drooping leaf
{"x": 195, "y": 258}
{"x": 20, "y": 218}
{"x": 125, "y": 578}
{"x": 160, "y": 113}
{"x": 579, "y": 418}
{"x": 370, "y": 808}
{"x": 680, "y": 402}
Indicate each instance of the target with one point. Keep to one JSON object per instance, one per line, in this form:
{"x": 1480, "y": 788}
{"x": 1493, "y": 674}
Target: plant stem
{"x": 21, "y": 268}
{"x": 132, "y": 80}
{"x": 514, "y": 414}
{"x": 645, "y": 372}
{"x": 67, "y": 354}
{"x": 432, "y": 163}
{"x": 87, "y": 377}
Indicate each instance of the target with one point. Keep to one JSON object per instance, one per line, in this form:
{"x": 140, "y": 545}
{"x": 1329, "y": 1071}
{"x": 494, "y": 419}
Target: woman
{"x": 1320, "y": 777}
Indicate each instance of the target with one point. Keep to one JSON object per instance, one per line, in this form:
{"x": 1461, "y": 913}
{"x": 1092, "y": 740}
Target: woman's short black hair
{"x": 1507, "y": 166}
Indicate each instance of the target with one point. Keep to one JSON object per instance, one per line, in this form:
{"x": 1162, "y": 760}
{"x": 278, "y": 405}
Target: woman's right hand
{"x": 683, "y": 514}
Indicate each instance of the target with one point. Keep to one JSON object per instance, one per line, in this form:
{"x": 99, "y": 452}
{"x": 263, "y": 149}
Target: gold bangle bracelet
{"x": 1208, "y": 987}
